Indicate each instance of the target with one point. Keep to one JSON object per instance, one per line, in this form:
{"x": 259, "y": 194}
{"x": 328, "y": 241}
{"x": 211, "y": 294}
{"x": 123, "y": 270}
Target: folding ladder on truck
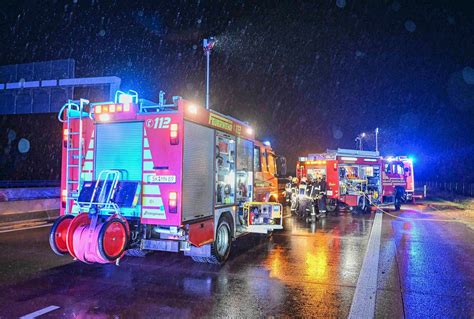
{"x": 73, "y": 137}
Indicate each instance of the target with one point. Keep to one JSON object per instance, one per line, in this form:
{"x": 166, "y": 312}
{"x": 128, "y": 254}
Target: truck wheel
{"x": 220, "y": 248}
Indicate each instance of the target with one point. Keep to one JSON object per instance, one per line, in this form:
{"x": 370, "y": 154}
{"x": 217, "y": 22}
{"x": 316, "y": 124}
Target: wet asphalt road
{"x": 425, "y": 270}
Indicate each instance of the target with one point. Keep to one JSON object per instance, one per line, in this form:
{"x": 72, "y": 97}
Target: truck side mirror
{"x": 281, "y": 166}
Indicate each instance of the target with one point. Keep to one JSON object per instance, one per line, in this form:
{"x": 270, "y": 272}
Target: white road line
{"x": 39, "y": 312}
{"x": 363, "y": 303}
{"x": 24, "y": 228}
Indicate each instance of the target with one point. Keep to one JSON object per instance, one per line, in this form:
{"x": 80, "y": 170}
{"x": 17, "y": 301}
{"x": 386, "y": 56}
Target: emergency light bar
{"x": 111, "y": 108}
{"x": 126, "y": 97}
{"x": 105, "y": 112}
{"x": 370, "y": 160}
{"x": 318, "y": 162}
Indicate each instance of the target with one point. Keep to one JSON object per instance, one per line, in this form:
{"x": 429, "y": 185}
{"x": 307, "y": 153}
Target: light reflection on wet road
{"x": 303, "y": 271}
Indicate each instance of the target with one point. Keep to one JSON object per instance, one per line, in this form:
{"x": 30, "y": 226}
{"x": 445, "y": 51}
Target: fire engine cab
{"x": 357, "y": 179}
{"x": 140, "y": 176}
{"x": 409, "y": 174}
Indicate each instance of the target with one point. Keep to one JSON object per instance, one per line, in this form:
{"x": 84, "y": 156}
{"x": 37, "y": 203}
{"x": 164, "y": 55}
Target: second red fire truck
{"x": 357, "y": 179}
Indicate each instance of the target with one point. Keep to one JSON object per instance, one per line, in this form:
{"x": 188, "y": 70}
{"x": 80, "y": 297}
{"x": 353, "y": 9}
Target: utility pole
{"x": 208, "y": 44}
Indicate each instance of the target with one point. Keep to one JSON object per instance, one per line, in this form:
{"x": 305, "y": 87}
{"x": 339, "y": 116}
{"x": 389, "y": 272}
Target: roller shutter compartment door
{"x": 120, "y": 146}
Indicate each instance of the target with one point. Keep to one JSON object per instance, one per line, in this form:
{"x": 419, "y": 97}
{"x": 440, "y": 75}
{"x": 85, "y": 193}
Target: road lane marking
{"x": 363, "y": 303}
{"x": 24, "y": 228}
{"x": 39, "y": 312}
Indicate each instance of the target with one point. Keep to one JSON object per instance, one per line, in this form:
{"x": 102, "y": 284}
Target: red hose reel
{"x": 88, "y": 239}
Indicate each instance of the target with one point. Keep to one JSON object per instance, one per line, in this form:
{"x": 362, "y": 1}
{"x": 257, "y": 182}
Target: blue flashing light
{"x": 125, "y": 99}
{"x": 411, "y": 158}
{"x": 267, "y": 143}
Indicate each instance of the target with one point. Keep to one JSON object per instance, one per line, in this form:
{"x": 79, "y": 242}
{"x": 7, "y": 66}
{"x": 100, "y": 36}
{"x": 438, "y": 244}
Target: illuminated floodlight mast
{"x": 377, "y": 139}
{"x": 207, "y": 45}
{"x": 359, "y": 139}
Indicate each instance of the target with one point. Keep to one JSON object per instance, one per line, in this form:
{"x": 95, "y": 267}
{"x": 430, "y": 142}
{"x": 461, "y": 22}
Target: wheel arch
{"x": 227, "y": 213}
{"x": 272, "y": 197}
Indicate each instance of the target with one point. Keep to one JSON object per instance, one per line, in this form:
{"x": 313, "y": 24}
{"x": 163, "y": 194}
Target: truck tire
{"x": 220, "y": 248}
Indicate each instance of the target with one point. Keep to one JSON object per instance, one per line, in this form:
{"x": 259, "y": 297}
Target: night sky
{"x": 308, "y": 75}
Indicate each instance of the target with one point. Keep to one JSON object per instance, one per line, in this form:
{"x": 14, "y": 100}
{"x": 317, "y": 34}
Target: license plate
{"x": 165, "y": 179}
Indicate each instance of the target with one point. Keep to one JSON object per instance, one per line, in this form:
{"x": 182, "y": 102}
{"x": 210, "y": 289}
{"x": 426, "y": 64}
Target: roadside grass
{"x": 452, "y": 206}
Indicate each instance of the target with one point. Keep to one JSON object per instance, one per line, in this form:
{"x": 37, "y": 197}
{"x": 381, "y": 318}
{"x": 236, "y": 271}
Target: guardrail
{"x": 30, "y": 183}
{"x": 465, "y": 189}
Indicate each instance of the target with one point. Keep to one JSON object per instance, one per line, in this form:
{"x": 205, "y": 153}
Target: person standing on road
{"x": 321, "y": 186}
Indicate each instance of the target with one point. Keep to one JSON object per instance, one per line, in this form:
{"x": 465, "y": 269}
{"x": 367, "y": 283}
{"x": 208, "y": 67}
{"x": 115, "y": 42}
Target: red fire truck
{"x": 355, "y": 179}
{"x": 140, "y": 176}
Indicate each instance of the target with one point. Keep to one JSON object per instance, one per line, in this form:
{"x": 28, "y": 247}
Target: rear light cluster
{"x": 63, "y": 198}
{"x": 172, "y": 202}
{"x": 174, "y": 134}
{"x": 65, "y": 136}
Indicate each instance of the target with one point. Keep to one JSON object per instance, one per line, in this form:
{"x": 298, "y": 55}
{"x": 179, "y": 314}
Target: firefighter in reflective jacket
{"x": 320, "y": 186}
